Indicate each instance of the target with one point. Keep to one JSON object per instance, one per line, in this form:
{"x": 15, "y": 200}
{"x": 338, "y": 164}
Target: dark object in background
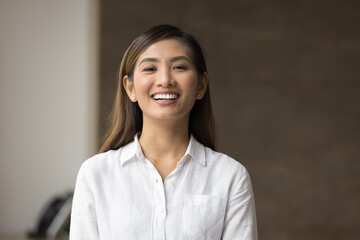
{"x": 55, "y": 220}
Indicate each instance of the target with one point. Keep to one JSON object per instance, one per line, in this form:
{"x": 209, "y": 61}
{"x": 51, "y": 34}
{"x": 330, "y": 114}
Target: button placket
{"x": 160, "y": 205}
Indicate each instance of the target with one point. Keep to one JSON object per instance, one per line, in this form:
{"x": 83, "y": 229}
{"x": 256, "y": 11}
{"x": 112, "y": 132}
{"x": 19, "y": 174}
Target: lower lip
{"x": 165, "y": 102}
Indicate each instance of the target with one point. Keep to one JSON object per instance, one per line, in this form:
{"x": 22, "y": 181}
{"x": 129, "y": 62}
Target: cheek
{"x": 191, "y": 85}
{"x": 141, "y": 86}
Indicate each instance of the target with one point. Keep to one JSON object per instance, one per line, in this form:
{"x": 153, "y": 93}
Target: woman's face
{"x": 165, "y": 82}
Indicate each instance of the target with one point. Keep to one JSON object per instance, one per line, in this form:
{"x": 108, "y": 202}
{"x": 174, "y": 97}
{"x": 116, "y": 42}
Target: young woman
{"x": 158, "y": 175}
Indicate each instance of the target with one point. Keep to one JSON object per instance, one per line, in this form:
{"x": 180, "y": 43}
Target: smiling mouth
{"x": 165, "y": 97}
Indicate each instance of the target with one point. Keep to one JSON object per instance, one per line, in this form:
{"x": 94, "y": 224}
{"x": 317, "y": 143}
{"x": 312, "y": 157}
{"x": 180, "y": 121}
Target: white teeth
{"x": 165, "y": 96}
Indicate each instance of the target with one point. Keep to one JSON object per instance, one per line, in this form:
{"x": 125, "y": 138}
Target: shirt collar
{"x": 133, "y": 150}
{"x": 197, "y": 151}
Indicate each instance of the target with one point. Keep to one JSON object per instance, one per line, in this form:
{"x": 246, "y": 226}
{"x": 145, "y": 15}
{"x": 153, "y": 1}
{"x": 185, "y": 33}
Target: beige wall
{"x": 285, "y": 82}
{"x": 48, "y": 73}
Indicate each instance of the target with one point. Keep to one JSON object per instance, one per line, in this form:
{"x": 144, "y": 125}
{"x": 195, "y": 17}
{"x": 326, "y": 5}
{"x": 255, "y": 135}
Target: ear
{"x": 202, "y": 86}
{"x": 129, "y": 88}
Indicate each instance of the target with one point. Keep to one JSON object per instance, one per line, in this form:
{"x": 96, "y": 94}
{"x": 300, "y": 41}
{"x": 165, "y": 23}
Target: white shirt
{"x": 119, "y": 194}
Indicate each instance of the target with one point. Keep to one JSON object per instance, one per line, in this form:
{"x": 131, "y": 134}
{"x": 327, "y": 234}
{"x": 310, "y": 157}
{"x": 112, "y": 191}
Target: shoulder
{"x": 227, "y": 168}
{"x": 101, "y": 162}
{"x": 215, "y": 162}
{"x": 231, "y": 172}
{"x": 223, "y": 161}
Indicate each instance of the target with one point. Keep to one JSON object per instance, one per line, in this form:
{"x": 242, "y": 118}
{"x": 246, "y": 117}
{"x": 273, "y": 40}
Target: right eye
{"x": 149, "y": 69}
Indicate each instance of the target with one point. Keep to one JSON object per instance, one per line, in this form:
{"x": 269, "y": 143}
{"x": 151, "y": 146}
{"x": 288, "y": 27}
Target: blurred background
{"x": 285, "y": 85}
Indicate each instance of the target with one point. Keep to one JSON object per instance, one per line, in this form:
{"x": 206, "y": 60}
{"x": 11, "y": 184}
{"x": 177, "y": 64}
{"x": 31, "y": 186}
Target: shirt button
{"x": 171, "y": 183}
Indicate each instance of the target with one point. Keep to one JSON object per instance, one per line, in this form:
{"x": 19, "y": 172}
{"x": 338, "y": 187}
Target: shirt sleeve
{"x": 240, "y": 216}
{"x": 83, "y": 223}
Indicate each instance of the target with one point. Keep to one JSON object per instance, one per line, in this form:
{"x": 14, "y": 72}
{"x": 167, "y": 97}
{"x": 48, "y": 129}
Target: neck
{"x": 164, "y": 141}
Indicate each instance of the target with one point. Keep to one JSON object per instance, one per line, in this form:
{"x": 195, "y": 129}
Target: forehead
{"x": 166, "y": 48}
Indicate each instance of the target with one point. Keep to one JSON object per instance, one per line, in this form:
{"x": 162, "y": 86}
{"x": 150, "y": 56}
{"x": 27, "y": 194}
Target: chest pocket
{"x": 203, "y": 216}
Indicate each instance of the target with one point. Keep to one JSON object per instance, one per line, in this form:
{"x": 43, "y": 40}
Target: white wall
{"x": 48, "y": 74}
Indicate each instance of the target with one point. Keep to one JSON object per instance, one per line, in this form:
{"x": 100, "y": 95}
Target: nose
{"x": 164, "y": 78}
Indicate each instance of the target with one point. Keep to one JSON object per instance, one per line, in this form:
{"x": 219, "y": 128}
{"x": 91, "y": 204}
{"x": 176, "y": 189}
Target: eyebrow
{"x": 174, "y": 59}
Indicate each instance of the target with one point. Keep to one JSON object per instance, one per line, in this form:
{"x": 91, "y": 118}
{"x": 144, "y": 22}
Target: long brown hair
{"x": 126, "y": 116}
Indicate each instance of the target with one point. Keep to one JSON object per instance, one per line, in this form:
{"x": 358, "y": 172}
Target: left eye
{"x": 179, "y": 67}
